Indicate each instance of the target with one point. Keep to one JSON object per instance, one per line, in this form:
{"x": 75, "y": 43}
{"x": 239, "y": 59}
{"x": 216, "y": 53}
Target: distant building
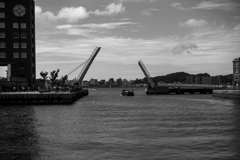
{"x": 215, "y": 80}
{"x": 205, "y": 80}
{"x": 119, "y": 82}
{"x": 17, "y": 40}
{"x": 125, "y": 83}
{"x": 236, "y": 72}
{"x": 189, "y": 80}
{"x": 197, "y": 80}
{"x": 111, "y": 82}
{"x": 93, "y": 81}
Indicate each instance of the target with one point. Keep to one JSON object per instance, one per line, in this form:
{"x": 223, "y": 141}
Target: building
{"x": 93, "y": 81}
{"x": 17, "y": 40}
{"x": 189, "y": 80}
{"x": 197, "y": 80}
{"x": 119, "y": 82}
{"x": 236, "y": 72}
{"x": 215, "y": 80}
{"x": 205, "y": 80}
{"x": 125, "y": 83}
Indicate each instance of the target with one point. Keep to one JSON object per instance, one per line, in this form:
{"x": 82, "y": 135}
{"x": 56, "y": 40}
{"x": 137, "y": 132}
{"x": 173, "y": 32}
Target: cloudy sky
{"x": 194, "y": 36}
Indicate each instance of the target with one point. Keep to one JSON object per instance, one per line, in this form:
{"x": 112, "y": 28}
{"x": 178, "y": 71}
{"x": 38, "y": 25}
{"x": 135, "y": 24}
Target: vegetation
{"x": 53, "y": 77}
{"x": 63, "y": 80}
{"x": 181, "y": 77}
{"x": 44, "y": 76}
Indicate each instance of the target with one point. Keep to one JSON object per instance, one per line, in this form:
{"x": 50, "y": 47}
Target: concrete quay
{"x": 36, "y": 98}
{"x": 231, "y": 94}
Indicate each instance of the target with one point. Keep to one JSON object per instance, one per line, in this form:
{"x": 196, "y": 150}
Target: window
{"x": 2, "y": 55}
{"x": 23, "y": 55}
{"x": 16, "y": 55}
{"x": 2, "y": 35}
{"x": 2, "y": 5}
{"x": 2, "y": 45}
{"x": 15, "y": 35}
{"x": 23, "y": 35}
{"x": 15, "y": 45}
{"x": 15, "y": 25}
{"x": 2, "y": 15}
{"x": 23, "y": 45}
{"x": 23, "y": 25}
{"x": 2, "y": 25}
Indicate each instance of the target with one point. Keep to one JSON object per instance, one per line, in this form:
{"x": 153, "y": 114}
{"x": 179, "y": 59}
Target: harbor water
{"x": 107, "y": 126}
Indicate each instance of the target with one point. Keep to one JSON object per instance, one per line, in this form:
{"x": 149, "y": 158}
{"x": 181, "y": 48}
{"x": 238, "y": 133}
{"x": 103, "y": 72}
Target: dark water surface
{"x": 105, "y": 125}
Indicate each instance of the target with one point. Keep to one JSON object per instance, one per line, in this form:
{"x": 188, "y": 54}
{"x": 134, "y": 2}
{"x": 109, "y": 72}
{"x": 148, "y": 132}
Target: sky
{"x": 193, "y": 36}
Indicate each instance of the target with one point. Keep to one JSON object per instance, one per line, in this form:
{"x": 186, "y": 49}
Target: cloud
{"x": 237, "y": 27}
{"x": 111, "y": 9}
{"x": 184, "y": 47}
{"x": 146, "y": 1}
{"x": 177, "y": 6}
{"x": 92, "y": 29}
{"x": 227, "y": 5}
{"x": 74, "y": 14}
{"x": 192, "y": 23}
{"x": 147, "y": 12}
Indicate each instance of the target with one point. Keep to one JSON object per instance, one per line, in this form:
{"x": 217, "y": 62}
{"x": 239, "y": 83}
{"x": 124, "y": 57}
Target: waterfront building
{"x": 119, "y": 82}
{"x": 111, "y": 82}
{"x": 125, "y": 83}
{"x": 17, "y": 41}
{"x": 197, "y": 80}
{"x": 215, "y": 80}
{"x": 93, "y": 81}
{"x": 236, "y": 72}
{"x": 189, "y": 80}
{"x": 205, "y": 80}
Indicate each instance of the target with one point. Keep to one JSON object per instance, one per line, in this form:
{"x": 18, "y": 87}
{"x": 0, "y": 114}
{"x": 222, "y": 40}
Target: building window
{"x": 23, "y": 45}
{"x": 15, "y": 35}
{"x": 2, "y": 25}
{"x": 23, "y": 55}
{"x": 2, "y": 45}
{"x": 2, "y": 15}
{"x": 2, "y": 5}
{"x": 2, "y": 35}
{"x": 16, "y": 55}
{"x": 23, "y": 35}
{"x": 15, "y": 25}
{"x": 15, "y": 45}
{"x": 2, "y": 55}
{"x": 23, "y": 25}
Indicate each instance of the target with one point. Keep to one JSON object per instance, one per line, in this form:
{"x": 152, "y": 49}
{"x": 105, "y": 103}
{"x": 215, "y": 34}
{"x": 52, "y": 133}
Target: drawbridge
{"x": 86, "y": 65}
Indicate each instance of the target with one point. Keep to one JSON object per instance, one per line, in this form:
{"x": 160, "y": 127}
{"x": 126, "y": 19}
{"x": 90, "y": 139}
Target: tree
{"x": 63, "y": 80}
{"x": 53, "y": 76}
{"x": 44, "y": 76}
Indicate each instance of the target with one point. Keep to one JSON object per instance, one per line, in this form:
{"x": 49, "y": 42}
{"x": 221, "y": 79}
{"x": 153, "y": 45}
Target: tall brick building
{"x": 17, "y": 40}
{"x": 236, "y": 71}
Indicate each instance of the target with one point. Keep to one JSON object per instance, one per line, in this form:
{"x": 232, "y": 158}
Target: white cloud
{"x": 237, "y": 27}
{"x": 177, "y": 6}
{"x": 193, "y": 23}
{"x": 92, "y": 29}
{"x": 228, "y": 5}
{"x": 74, "y": 14}
{"x": 147, "y": 1}
{"x": 147, "y": 12}
{"x": 111, "y": 9}
{"x": 185, "y": 47}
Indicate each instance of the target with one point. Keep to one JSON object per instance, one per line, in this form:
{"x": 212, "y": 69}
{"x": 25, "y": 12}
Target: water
{"x": 105, "y": 125}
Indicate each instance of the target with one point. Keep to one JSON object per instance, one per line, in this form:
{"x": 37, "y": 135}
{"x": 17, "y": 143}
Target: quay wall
{"x": 232, "y": 94}
{"x": 41, "y": 99}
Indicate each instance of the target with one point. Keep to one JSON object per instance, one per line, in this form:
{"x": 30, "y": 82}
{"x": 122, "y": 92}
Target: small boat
{"x": 127, "y": 92}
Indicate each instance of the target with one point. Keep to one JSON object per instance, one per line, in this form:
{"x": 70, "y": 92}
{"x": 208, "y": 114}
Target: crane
{"x": 86, "y": 64}
{"x": 146, "y": 73}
